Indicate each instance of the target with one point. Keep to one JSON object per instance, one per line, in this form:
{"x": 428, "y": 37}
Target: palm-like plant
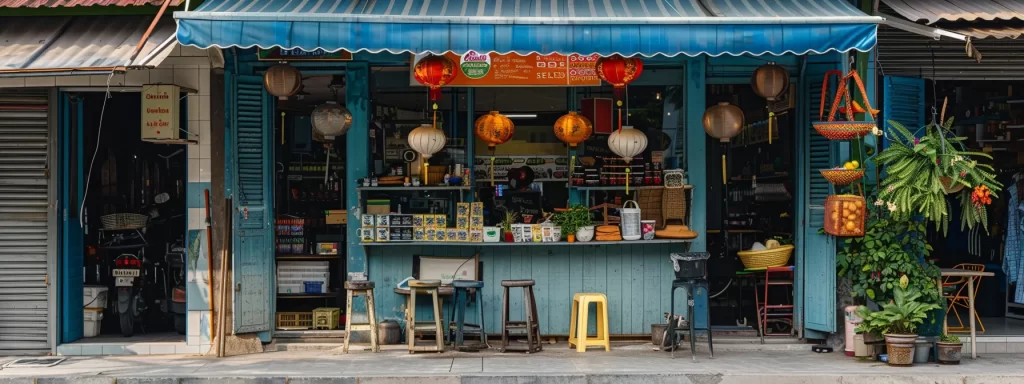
{"x": 922, "y": 170}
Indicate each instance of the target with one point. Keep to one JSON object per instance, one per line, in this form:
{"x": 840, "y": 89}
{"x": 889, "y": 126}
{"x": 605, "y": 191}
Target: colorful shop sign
{"x": 478, "y": 69}
{"x": 279, "y": 54}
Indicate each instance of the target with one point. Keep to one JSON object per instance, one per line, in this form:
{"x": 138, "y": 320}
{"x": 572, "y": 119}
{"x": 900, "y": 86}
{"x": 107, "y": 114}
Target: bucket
{"x": 647, "y": 229}
{"x": 658, "y": 334}
{"x": 629, "y": 222}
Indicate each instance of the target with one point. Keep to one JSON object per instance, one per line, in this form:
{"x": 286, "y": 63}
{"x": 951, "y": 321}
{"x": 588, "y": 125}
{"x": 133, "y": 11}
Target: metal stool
{"x": 690, "y": 286}
{"x": 431, "y": 287}
{"x": 355, "y": 288}
{"x": 531, "y": 326}
{"x": 461, "y": 301}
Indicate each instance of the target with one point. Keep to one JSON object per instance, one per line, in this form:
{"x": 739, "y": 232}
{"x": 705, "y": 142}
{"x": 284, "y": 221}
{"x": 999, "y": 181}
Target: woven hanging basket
{"x": 949, "y": 190}
{"x": 845, "y": 215}
{"x": 842, "y": 130}
{"x": 842, "y": 176}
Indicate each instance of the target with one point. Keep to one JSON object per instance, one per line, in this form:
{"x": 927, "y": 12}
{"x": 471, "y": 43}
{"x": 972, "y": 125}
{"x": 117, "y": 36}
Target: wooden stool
{"x": 356, "y": 288}
{"x": 580, "y": 312}
{"x": 461, "y": 301}
{"x": 531, "y": 326}
{"x": 431, "y": 287}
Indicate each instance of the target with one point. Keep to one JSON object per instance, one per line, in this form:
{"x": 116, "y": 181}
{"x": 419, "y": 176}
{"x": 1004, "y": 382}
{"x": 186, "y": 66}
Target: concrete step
{"x": 301, "y": 347}
{"x": 317, "y": 334}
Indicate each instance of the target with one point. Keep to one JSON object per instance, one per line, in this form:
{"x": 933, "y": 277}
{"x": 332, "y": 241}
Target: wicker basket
{"x": 842, "y": 176}
{"x": 946, "y": 182}
{"x": 123, "y": 221}
{"x": 767, "y": 258}
{"x": 845, "y": 215}
{"x": 843, "y": 130}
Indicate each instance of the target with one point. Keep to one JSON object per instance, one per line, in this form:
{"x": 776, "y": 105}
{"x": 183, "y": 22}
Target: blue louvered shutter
{"x": 904, "y": 101}
{"x": 252, "y": 179}
{"x": 819, "y": 250}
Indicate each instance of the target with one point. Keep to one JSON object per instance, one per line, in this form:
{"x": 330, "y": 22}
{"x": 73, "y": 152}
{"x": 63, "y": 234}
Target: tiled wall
{"x": 190, "y": 68}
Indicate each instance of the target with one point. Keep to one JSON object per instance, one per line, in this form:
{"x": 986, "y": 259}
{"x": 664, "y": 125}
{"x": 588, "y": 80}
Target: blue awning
{"x": 628, "y": 27}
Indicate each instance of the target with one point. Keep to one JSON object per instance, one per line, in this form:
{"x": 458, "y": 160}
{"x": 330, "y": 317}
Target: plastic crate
{"x": 313, "y": 287}
{"x": 326, "y": 318}
{"x": 294, "y": 320}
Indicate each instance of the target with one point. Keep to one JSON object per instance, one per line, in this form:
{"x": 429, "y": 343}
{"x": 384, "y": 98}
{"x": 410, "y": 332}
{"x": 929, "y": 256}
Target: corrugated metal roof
{"x": 932, "y": 11}
{"x": 906, "y": 54}
{"x": 78, "y": 43}
{"x": 80, "y": 3}
{"x": 982, "y": 32}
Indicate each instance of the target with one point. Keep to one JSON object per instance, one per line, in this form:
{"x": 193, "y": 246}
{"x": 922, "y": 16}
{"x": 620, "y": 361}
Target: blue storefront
{"x": 699, "y": 44}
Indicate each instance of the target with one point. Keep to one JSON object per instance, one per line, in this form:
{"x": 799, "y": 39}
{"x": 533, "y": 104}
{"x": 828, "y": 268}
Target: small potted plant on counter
{"x": 575, "y": 223}
{"x": 898, "y": 321}
{"x": 949, "y": 349}
{"x": 506, "y": 226}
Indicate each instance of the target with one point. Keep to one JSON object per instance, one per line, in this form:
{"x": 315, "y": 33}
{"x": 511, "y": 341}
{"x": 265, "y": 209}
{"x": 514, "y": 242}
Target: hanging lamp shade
{"x": 331, "y": 120}
{"x": 494, "y": 128}
{"x": 435, "y": 72}
{"x": 619, "y": 72}
{"x": 627, "y": 142}
{"x": 282, "y": 80}
{"x": 427, "y": 140}
{"x": 573, "y": 128}
{"x": 723, "y": 121}
{"x": 770, "y": 81}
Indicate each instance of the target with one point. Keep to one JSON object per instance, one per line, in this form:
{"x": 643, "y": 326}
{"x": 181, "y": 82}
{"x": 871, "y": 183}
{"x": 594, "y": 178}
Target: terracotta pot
{"x": 900, "y": 349}
{"x": 571, "y": 237}
{"x": 949, "y": 353}
{"x": 509, "y": 238}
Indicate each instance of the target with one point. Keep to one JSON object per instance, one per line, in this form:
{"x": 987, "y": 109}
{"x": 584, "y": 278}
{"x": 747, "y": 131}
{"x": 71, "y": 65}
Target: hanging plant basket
{"x": 843, "y": 130}
{"x": 842, "y": 177}
{"x": 949, "y": 187}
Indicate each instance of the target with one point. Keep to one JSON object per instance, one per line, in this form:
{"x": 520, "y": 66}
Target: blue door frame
{"x": 71, "y": 234}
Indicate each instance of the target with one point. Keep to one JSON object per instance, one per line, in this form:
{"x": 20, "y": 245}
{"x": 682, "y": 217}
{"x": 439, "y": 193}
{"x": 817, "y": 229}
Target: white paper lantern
{"x": 427, "y": 140}
{"x": 331, "y": 120}
{"x": 627, "y": 142}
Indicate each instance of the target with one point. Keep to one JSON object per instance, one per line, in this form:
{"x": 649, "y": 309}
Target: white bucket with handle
{"x": 629, "y": 223}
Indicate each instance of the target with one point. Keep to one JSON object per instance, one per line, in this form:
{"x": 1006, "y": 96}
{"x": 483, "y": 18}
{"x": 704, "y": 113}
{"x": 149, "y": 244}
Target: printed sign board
{"x": 478, "y": 69}
{"x": 160, "y": 114}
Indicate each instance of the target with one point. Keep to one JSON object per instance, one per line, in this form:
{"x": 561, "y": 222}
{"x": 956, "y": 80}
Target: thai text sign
{"x": 478, "y": 69}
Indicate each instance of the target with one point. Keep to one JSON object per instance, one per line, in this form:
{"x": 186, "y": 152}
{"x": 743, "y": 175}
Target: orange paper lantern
{"x": 494, "y": 128}
{"x": 619, "y": 72}
{"x": 434, "y": 72}
{"x": 573, "y": 128}
{"x": 282, "y": 80}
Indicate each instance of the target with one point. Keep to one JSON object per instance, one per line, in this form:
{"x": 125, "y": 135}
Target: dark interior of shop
{"x": 131, "y": 176}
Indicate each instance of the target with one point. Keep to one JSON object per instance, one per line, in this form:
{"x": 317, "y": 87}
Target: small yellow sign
{"x": 160, "y": 104}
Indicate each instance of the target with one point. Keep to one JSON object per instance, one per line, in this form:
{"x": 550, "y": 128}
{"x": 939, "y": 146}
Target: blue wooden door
{"x": 72, "y": 238}
{"x": 817, "y": 264}
{"x": 251, "y": 174}
{"x": 904, "y": 101}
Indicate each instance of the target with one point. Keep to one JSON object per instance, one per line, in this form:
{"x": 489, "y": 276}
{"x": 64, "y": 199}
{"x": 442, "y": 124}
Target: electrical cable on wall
{"x": 92, "y": 162}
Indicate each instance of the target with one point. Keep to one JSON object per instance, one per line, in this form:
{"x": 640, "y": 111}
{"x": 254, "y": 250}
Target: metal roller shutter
{"x": 905, "y": 54}
{"x": 24, "y": 235}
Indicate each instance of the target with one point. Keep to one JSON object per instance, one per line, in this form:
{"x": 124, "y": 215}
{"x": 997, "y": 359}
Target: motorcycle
{"x": 128, "y": 274}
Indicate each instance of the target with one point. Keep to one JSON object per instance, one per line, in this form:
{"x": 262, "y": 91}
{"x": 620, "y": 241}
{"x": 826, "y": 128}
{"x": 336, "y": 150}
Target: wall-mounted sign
{"x": 478, "y": 69}
{"x": 278, "y": 54}
{"x": 160, "y": 114}
{"x": 545, "y": 168}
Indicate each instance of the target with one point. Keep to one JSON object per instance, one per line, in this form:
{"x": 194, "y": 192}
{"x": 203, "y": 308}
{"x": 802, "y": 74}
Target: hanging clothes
{"x": 1012, "y": 263}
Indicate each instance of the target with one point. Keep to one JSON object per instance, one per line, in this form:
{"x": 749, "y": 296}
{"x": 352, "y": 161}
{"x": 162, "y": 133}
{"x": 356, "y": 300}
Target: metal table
{"x": 971, "y": 276}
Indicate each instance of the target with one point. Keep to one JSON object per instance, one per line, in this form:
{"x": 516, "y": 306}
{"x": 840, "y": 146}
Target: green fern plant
{"x": 918, "y": 167}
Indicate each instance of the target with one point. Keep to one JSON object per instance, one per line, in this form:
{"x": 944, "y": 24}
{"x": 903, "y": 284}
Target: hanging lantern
{"x": 573, "y": 128}
{"x": 426, "y": 140}
{"x": 331, "y": 120}
{"x": 435, "y": 72}
{"x": 627, "y": 143}
{"x": 770, "y": 81}
{"x": 619, "y": 72}
{"x": 282, "y": 80}
{"x": 723, "y": 122}
{"x": 494, "y": 128}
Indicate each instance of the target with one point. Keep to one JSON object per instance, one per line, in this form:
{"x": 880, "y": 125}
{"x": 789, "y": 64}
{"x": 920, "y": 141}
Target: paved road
{"x": 554, "y": 365}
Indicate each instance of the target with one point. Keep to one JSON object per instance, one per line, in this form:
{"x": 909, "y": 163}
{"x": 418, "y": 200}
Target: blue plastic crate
{"x": 313, "y": 286}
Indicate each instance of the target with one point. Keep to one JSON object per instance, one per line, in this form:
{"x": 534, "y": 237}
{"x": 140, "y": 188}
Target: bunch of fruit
{"x": 847, "y": 216}
{"x": 850, "y": 165}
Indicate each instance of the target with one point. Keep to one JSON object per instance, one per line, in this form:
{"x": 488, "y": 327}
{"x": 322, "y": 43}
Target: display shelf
{"x": 769, "y": 177}
{"x": 622, "y": 187}
{"x": 306, "y": 257}
{"x": 502, "y": 244}
{"x": 328, "y": 295}
{"x": 413, "y": 189}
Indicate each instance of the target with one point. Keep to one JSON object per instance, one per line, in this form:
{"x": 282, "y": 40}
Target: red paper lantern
{"x": 619, "y": 72}
{"x": 435, "y": 72}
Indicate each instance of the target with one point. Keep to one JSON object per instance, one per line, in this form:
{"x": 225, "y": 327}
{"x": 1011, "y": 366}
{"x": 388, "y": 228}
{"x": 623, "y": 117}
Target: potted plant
{"x": 949, "y": 349}
{"x": 575, "y": 222}
{"x": 506, "y": 226}
{"x": 923, "y": 170}
{"x": 898, "y": 321}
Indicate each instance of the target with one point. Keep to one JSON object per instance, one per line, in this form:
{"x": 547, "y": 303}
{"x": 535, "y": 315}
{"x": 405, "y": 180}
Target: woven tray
{"x": 842, "y": 176}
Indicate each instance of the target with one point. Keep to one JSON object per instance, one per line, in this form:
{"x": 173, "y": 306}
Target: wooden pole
{"x": 209, "y": 260}
{"x": 224, "y": 254}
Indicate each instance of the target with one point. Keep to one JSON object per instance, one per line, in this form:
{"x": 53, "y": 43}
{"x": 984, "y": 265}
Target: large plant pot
{"x": 949, "y": 353}
{"x": 585, "y": 234}
{"x": 900, "y": 349}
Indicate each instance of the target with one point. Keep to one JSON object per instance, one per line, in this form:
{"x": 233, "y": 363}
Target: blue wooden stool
{"x": 461, "y": 301}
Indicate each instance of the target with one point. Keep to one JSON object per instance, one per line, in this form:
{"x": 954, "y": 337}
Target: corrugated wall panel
{"x": 24, "y": 194}
{"x": 906, "y": 54}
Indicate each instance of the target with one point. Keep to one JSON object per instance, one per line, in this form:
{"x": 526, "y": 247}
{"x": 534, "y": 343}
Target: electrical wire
{"x": 92, "y": 162}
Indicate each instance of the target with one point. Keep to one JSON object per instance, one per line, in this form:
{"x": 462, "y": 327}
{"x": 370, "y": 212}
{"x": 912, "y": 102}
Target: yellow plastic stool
{"x": 578, "y": 323}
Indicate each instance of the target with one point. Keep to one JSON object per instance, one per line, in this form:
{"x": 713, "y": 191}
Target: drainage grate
{"x": 36, "y": 362}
